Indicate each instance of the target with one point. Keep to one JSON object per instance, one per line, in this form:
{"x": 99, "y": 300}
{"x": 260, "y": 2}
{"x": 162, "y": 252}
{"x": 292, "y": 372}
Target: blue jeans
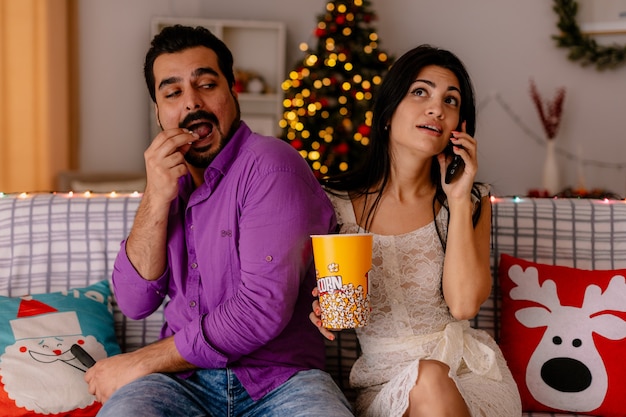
{"x": 218, "y": 392}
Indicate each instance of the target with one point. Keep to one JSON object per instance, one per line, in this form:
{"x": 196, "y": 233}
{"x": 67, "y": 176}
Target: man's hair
{"x": 177, "y": 38}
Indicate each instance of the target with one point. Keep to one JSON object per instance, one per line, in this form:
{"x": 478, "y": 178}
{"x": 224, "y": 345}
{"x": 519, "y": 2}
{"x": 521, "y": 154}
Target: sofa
{"x": 53, "y": 242}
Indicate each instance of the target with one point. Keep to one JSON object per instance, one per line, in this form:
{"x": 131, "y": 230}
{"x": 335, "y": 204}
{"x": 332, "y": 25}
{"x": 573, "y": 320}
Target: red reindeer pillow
{"x": 564, "y": 336}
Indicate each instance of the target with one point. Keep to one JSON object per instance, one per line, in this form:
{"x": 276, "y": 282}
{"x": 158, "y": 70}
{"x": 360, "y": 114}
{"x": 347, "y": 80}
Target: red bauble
{"x": 240, "y": 86}
{"x": 364, "y": 130}
{"x": 296, "y": 143}
{"x": 320, "y": 32}
{"x": 342, "y": 149}
{"x": 341, "y": 19}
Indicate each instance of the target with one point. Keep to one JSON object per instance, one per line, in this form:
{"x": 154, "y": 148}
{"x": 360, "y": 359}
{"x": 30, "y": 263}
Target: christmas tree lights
{"x": 328, "y": 96}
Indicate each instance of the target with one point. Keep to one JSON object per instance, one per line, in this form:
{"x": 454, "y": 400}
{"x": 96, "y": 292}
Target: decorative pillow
{"x": 39, "y": 375}
{"x": 564, "y": 336}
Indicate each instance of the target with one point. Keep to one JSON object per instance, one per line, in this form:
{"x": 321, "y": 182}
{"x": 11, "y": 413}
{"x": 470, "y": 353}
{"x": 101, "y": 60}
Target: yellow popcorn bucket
{"x": 342, "y": 262}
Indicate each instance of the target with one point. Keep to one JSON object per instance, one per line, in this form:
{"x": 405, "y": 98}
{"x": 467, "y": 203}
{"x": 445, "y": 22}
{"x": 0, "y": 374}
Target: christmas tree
{"x": 328, "y": 96}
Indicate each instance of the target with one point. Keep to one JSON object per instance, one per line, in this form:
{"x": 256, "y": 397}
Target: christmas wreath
{"x": 583, "y": 47}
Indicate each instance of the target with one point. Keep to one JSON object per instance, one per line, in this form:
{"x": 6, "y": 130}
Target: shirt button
{"x": 194, "y": 265}
{"x": 268, "y": 258}
{"x": 192, "y": 304}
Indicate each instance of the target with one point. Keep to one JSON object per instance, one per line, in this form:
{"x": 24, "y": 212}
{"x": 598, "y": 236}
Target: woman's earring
{"x": 386, "y": 127}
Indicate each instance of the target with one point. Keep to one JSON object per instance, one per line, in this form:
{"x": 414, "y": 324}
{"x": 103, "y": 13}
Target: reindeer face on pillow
{"x": 562, "y": 333}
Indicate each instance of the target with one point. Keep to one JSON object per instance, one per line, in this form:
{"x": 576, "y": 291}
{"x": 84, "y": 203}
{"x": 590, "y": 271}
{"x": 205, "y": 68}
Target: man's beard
{"x": 200, "y": 158}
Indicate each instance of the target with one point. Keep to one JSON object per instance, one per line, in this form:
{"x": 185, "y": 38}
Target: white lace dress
{"x": 410, "y": 321}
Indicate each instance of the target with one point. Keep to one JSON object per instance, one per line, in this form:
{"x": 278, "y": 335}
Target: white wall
{"x": 504, "y": 44}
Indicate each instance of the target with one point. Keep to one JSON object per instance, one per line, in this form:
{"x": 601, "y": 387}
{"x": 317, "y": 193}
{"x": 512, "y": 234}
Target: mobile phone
{"x": 82, "y": 355}
{"x": 455, "y": 166}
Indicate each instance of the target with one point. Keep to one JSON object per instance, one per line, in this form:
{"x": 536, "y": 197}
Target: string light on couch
{"x": 72, "y": 194}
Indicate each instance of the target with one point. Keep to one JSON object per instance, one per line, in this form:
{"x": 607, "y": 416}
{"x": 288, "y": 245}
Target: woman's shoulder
{"x": 342, "y": 204}
{"x": 482, "y": 190}
{"x": 340, "y": 199}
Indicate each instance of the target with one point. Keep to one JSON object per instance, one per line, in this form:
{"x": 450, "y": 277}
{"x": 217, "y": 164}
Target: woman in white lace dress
{"x": 430, "y": 271}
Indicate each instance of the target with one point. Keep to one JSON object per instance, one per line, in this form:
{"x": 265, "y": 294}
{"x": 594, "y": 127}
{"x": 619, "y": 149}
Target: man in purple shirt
{"x": 222, "y": 231}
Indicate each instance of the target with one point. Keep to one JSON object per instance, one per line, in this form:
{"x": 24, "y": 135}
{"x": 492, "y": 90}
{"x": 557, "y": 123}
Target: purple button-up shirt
{"x": 240, "y": 268}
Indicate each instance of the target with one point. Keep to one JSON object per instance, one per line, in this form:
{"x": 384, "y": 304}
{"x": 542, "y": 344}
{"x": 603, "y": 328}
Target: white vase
{"x": 551, "y": 180}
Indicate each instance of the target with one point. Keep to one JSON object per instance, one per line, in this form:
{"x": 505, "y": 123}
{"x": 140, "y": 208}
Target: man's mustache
{"x": 198, "y": 115}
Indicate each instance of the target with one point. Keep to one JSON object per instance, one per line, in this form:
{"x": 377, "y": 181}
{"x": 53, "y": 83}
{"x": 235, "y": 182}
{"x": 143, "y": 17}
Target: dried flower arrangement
{"x": 551, "y": 115}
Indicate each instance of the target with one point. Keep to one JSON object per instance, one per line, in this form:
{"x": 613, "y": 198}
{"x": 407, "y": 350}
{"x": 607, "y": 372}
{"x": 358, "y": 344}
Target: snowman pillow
{"x": 39, "y": 374}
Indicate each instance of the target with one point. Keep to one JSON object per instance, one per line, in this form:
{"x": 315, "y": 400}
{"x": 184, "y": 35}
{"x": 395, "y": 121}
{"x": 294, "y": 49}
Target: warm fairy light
{"x": 303, "y": 46}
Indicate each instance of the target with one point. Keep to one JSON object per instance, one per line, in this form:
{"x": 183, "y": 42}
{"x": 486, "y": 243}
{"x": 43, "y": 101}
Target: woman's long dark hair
{"x": 370, "y": 178}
